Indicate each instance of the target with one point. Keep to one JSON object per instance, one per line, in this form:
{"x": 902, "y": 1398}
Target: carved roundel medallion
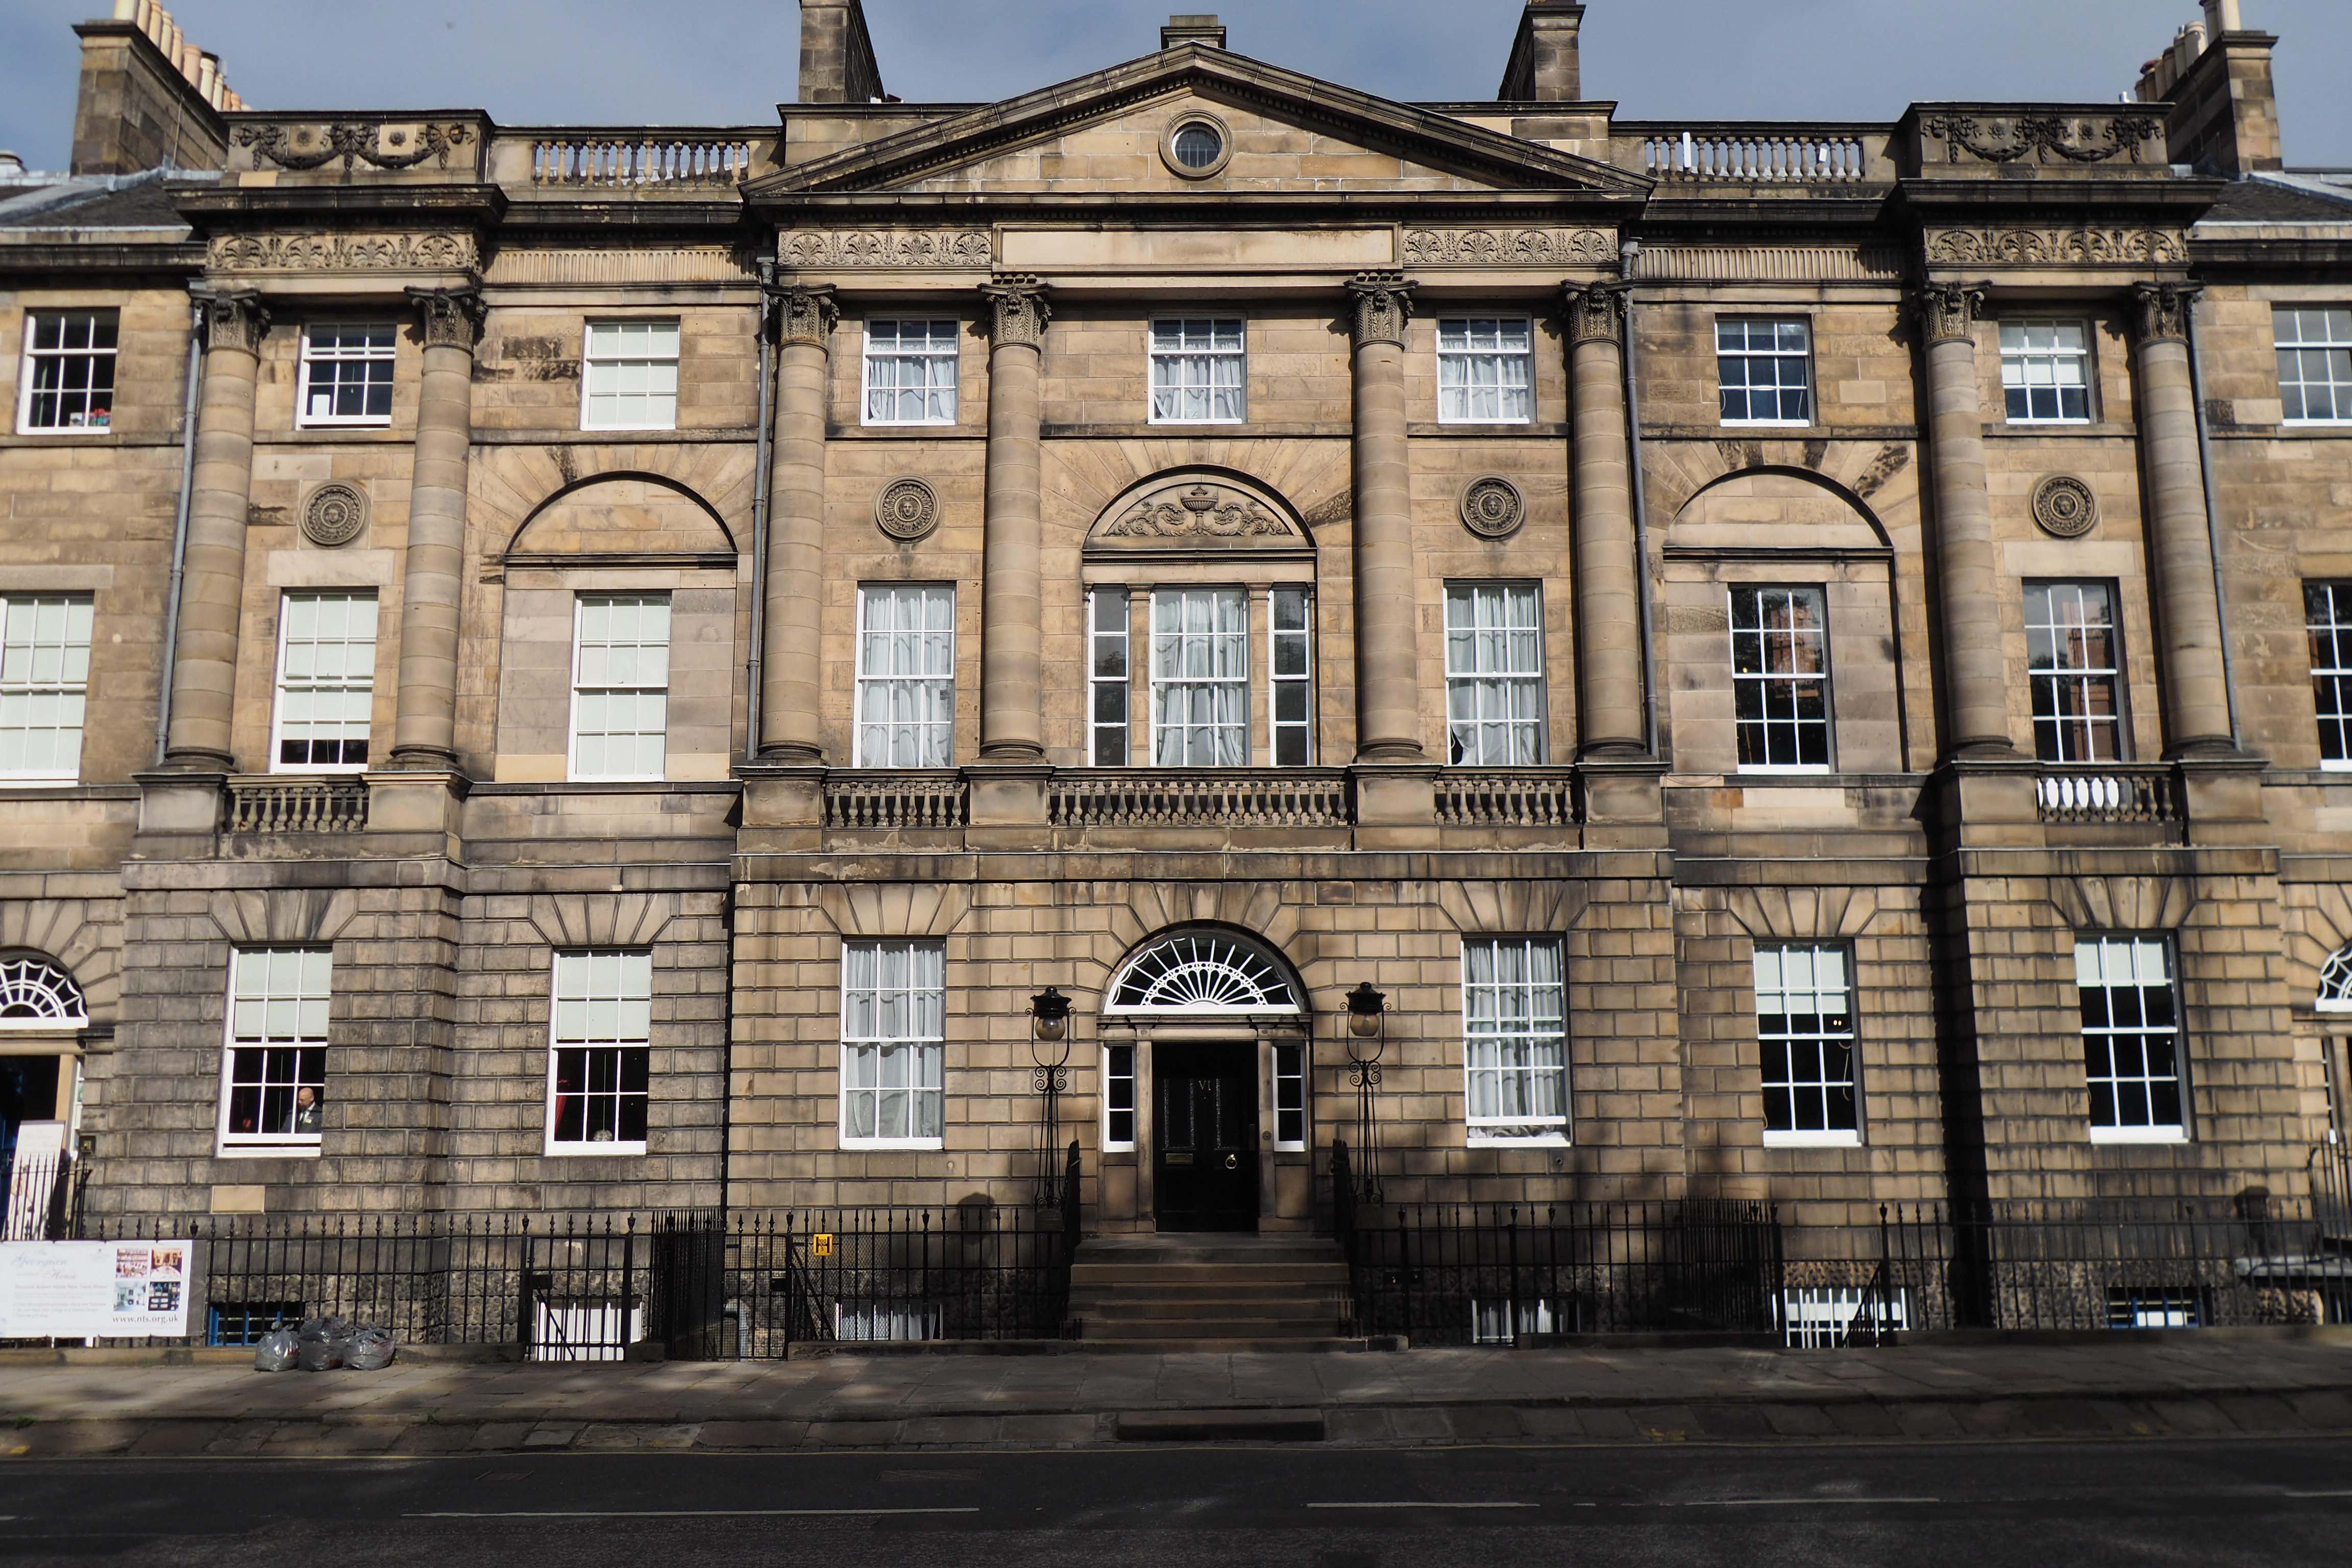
{"x": 906, "y": 508}
{"x": 2066, "y": 506}
{"x": 335, "y": 514}
{"x": 1493, "y": 508}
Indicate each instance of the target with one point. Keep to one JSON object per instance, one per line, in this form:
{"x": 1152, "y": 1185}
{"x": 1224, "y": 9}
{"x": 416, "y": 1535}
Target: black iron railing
{"x": 43, "y": 1198}
{"x": 1468, "y": 1274}
{"x": 694, "y": 1285}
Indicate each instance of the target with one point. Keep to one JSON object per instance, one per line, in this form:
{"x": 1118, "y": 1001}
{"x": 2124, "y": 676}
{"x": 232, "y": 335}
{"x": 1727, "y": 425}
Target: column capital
{"x": 234, "y": 319}
{"x": 448, "y": 317}
{"x": 2164, "y": 309}
{"x": 802, "y": 312}
{"x": 1595, "y": 312}
{"x": 1948, "y": 311}
{"x": 1020, "y": 310}
{"x": 1383, "y": 305}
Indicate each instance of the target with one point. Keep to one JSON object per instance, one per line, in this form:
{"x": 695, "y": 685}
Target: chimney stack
{"x": 1543, "y": 67}
{"x": 2217, "y": 78}
{"x": 1195, "y": 28}
{"x": 149, "y": 97}
{"x": 837, "y": 54}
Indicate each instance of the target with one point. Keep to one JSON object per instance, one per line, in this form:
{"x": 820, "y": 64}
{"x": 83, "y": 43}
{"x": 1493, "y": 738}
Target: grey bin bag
{"x": 323, "y": 1342}
{"x": 277, "y": 1351}
{"x": 372, "y": 1350}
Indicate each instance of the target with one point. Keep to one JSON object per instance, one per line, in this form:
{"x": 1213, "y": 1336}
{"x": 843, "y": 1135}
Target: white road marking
{"x": 1793, "y": 1501}
{"x": 1423, "y": 1505}
{"x": 697, "y": 1513}
{"x": 2317, "y": 1494}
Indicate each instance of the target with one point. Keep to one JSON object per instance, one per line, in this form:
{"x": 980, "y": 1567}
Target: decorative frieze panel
{"x": 381, "y": 145}
{"x": 1508, "y": 248}
{"x": 1198, "y": 514}
{"x": 2001, "y": 138}
{"x": 344, "y": 253}
{"x": 2058, "y": 246}
{"x": 945, "y": 249}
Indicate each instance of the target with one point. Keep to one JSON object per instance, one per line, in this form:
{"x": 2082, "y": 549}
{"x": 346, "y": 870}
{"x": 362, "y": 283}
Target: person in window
{"x": 306, "y": 1109}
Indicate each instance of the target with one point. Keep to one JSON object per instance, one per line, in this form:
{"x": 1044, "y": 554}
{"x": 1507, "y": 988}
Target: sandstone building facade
{"x": 593, "y": 670}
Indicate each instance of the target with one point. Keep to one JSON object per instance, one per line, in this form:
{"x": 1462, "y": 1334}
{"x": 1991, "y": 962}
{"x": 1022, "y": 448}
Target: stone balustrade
{"x": 642, "y": 161}
{"x": 1288, "y": 797}
{"x": 1728, "y": 155}
{"x": 856, "y": 801}
{"x": 275, "y": 806}
{"x": 1513, "y": 798}
{"x": 2116, "y": 795}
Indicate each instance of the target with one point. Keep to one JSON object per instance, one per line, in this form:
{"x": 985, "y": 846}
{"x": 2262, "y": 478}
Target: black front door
{"x": 1204, "y": 1137}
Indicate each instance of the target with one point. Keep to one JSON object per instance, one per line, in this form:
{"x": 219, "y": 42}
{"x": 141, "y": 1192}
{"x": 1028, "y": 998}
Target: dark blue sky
{"x": 720, "y": 61}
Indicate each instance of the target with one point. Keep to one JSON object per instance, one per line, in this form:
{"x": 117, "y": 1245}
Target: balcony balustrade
{"x": 1522, "y": 797}
{"x": 1288, "y": 797}
{"x": 2117, "y": 794}
{"x": 856, "y": 801}
{"x": 278, "y": 806}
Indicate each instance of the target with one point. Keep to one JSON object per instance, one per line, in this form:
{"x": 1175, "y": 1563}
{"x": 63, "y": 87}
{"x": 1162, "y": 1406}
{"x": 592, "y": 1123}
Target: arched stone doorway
{"x": 1206, "y": 1086}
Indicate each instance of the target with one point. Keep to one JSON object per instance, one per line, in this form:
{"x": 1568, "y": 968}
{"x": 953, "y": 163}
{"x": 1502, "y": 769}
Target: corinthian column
{"x": 1967, "y": 578}
{"x": 2196, "y": 684}
{"x": 425, "y": 728}
{"x": 211, "y": 590}
{"x": 1388, "y": 695}
{"x": 1608, "y": 577}
{"x": 1011, "y": 727}
{"x": 791, "y": 729}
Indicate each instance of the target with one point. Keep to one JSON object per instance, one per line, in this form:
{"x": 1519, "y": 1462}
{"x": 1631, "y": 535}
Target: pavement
{"x": 2213, "y": 1384}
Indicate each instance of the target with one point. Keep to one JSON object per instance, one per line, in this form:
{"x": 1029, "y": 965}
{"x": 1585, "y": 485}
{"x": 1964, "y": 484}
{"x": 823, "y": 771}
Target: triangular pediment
{"x": 1105, "y": 132}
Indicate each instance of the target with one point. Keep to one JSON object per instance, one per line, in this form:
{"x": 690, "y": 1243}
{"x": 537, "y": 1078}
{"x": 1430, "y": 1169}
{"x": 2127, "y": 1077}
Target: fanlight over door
{"x": 1204, "y": 974}
{"x": 36, "y": 994}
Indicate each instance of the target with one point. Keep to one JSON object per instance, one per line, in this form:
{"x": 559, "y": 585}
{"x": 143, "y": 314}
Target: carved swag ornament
{"x": 1201, "y": 512}
{"x": 306, "y": 148}
{"x": 2068, "y": 138}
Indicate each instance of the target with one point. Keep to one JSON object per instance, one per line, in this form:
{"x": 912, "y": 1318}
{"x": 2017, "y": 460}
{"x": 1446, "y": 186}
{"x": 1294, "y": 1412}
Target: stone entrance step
{"x": 1202, "y": 1291}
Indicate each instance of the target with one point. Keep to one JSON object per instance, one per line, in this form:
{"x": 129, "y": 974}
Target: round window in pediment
{"x": 1196, "y": 146}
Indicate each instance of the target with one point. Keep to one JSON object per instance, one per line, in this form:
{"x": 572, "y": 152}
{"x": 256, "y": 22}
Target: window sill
{"x": 312, "y": 427}
{"x": 320, "y": 771}
{"x": 2315, "y": 424}
{"x": 1196, "y": 424}
{"x": 895, "y": 1145}
{"x": 908, "y": 423}
{"x": 1792, "y": 771}
{"x": 594, "y": 1150}
{"x": 1558, "y": 1139}
{"x": 308, "y": 1151}
{"x": 1767, "y": 424}
{"x": 2139, "y": 1135}
{"x": 2344, "y": 766}
{"x": 37, "y": 781}
{"x": 616, "y": 778}
{"x": 1812, "y": 1140}
{"x": 626, "y": 429}
{"x": 71, "y": 432}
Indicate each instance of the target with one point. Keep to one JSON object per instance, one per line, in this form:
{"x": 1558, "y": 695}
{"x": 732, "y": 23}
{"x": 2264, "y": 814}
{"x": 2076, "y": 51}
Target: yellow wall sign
{"x": 821, "y": 1244}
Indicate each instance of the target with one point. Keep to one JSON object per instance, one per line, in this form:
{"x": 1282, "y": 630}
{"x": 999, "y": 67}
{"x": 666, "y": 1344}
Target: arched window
{"x": 36, "y": 994}
{"x": 1204, "y": 972}
{"x": 2335, "y": 981}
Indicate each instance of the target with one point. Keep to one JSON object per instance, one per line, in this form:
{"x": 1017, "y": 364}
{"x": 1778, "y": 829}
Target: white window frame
{"x": 2080, "y": 677}
{"x": 1469, "y": 682}
{"x": 1458, "y": 362}
{"x": 896, "y": 351}
{"x": 1286, "y": 1065}
{"x": 589, "y": 359}
{"x": 2326, "y": 344}
{"x": 2139, "y": 950}
{"x": 2022, "y": 357}
{"x": 1822, "y": 1317}
{"x": 1175, "y": 644}
{"x": 30, "y": 359}
{"x": 936, "y": 687}
{"x": 363, "y": 687}
{"x": 1782, "y": 682}
{"x": 579, "y": 604}
{"x": 629, "y": 1029}
{"x": 1490, "y": 1316}
{"x": 313, "y": 355}
{"x": 24, "y": 681}
{"x": 1817, "y": 984}
{"x": 1526, "y": 1130}
{"x": 1116, "y": 606}
{"x": 308, "y": 1007}
{"x": 1112, "y": 1052}
{"x": 1775, "y": 354}
{"x": 1173, "y": 359}
{"x": 884, "y": 1321}
{"x": 1277, "y": 682}
{"x": 914, "y": 1039}
{"x": 2337, "y": 630}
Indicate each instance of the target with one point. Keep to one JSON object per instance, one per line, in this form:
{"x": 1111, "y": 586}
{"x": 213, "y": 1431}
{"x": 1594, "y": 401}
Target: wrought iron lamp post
{"x": 1367, "y": 1037}
{"x": 1049, "y": 1047}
